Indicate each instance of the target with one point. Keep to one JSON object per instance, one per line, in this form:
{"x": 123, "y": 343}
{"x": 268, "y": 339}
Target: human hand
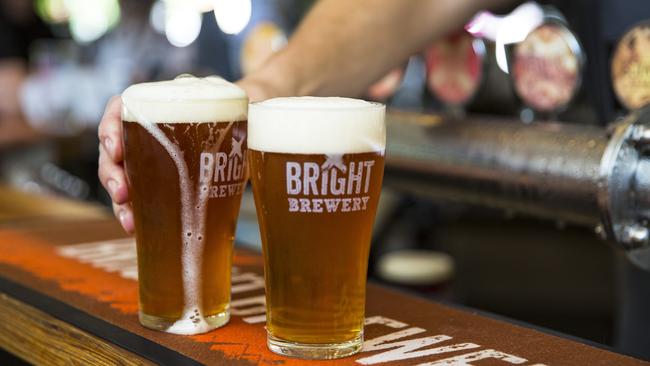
{"x": 111, "y": 163}
{"x": 111, "y": 155}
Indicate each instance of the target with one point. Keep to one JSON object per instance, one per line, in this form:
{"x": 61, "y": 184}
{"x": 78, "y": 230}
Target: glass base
{"x": 314, "y": 351}
{"x": 163, "y": 324}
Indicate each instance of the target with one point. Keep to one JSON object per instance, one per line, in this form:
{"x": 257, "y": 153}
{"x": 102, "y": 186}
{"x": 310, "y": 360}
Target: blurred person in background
{"x": 57, "y": 75}
{"x": 85, "y": 76}
{"x": 61, "y": 60}
{"x": 19, "y": 27}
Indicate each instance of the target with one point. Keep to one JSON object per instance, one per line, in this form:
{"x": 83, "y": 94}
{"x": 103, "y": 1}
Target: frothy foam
{"x": 184, "y": 99}
{"x": 316, "y": 125}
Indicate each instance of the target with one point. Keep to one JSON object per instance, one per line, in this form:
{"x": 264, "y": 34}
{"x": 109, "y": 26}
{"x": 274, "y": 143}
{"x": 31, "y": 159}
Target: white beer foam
{"x": 316, "y": 125}
{"x": 186, "y": 326}
{"x": 184, "y": 99}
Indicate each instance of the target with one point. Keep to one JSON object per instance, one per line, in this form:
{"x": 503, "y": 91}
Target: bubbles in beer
{"x": 316, "y": 167}
{"x": 186, "y": 99}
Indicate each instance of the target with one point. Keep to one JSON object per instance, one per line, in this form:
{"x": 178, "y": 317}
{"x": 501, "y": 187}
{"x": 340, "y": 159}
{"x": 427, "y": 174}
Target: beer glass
{"x": 184, "y": 146}
{"x": 316, "y": 166}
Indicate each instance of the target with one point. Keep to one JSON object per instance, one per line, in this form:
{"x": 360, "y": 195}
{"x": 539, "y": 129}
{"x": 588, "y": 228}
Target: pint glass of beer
{"x": 184, "y": 146}
{"x": 316, "y": 166}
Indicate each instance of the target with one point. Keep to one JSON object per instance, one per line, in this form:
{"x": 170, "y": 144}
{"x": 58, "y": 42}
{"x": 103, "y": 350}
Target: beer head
{"x": 184, "y": 99}
{"x": 316, "y": 125}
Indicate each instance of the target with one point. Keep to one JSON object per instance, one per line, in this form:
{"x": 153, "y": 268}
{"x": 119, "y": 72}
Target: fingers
{"x": 111, "y": 172}
{"x": 110, "y": 129}
{"x": 124, "y": 214}
{"x": 112, "y": 177}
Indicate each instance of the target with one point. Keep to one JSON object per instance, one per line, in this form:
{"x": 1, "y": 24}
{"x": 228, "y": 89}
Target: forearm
{"x": 342, "y": 46}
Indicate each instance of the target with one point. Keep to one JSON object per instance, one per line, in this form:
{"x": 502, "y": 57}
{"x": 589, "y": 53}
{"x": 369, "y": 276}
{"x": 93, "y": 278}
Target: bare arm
{"x": 342, "y": 46}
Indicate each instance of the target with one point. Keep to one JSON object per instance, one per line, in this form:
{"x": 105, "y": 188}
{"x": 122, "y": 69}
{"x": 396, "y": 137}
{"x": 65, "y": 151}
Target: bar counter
{"x": 68, "y": 295}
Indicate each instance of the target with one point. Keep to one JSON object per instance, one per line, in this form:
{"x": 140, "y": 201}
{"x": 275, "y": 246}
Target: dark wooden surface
{"x": 78, "y": 307}
{"x": 37, "y": 337}
{"x": 17, "y": 207}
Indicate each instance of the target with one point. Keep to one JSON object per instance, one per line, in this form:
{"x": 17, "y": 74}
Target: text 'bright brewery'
{"x": 333, "y": 178}
{"x": 227, "y": 169}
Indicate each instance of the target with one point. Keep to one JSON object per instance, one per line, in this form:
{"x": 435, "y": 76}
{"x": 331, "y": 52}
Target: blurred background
{"x": 61, "y": 60}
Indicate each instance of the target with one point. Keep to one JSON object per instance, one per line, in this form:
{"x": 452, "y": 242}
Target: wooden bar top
{"x": 17, "y": 206}
{"x": 68, "y": 295}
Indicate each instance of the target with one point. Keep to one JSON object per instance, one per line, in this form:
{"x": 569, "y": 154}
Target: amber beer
{"x": 184, "y": 144}
{"x": 316, "y": 168}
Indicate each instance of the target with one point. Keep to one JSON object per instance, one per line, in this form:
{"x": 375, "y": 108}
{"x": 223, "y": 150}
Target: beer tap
{"x": 582, "y": 174}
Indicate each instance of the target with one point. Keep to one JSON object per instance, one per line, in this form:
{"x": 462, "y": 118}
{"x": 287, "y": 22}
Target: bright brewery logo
{"x": 224, "y": 173}
{"x": 348, "y": 183}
